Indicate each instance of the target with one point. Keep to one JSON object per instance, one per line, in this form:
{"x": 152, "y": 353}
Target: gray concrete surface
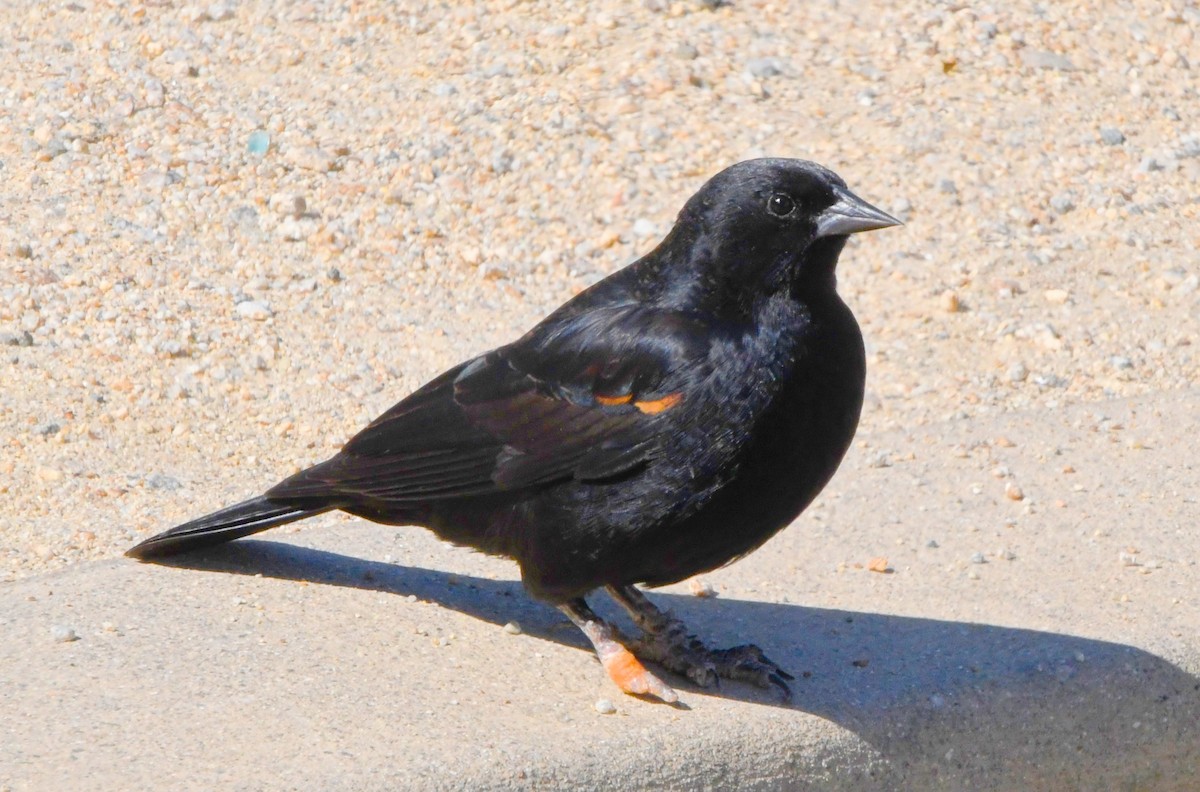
{"x": 347, "y": 656}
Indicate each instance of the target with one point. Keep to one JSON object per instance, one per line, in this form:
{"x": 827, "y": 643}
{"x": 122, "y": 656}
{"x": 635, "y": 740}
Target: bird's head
{"x": 768, "y": 224}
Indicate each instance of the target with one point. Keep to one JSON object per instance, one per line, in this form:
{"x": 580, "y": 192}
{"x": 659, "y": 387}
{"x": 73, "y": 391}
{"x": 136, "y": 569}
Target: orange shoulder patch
{"x": 658, "y": 405}
{"x": 611, "y": 401}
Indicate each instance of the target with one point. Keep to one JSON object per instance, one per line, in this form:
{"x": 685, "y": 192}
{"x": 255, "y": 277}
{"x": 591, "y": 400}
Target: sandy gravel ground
{"x": 231, "y": 233}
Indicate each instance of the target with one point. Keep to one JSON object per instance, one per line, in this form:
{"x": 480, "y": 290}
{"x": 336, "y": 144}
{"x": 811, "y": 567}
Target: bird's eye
{"x": 781, "y": 205}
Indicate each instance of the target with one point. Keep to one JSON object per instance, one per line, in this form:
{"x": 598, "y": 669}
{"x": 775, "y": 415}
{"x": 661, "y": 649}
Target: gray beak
{"x": 850, "y": 215}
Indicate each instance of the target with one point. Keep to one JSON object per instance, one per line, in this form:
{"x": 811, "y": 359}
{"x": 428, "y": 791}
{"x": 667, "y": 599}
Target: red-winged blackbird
{"x": 666, "y": 421}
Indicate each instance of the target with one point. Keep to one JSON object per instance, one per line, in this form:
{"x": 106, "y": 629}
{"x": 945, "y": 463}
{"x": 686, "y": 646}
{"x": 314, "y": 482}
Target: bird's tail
{"x": 233, "y": 522}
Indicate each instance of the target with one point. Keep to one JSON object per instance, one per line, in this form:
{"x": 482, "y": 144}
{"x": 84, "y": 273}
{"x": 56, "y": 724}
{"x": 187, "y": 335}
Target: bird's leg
{"x": 666, "y": 641}
{"x": 620, "y": 664}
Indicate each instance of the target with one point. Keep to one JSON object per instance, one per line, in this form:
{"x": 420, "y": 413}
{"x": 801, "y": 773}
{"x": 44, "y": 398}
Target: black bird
{"x": 662, "y": 423}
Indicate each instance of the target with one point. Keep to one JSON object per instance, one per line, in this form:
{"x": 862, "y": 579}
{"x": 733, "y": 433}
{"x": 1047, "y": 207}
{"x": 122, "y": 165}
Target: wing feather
{"x": 561, "y": 403}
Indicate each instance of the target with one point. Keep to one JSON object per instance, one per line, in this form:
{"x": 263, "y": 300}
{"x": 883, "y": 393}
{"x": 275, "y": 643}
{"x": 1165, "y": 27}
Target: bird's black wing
{"x": 578, "y": 399}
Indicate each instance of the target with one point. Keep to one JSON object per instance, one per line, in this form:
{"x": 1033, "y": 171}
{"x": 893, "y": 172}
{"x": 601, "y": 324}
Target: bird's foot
{"x": 684, "y": 654}
{"x": 666, "y": 641}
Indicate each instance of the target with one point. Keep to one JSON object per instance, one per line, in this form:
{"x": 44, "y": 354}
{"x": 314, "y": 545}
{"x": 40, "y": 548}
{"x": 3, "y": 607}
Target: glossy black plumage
{"x": 667, "y": 420}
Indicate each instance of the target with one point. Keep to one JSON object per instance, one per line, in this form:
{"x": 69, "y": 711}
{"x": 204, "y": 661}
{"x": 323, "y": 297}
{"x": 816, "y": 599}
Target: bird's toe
{"x": 627, "y": 673}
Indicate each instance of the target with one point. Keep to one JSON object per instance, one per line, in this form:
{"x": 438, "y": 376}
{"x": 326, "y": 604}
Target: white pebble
{"x": 63, "y": 634}
{"x": 253, "y": 309}
{"x": 644, "y": 228}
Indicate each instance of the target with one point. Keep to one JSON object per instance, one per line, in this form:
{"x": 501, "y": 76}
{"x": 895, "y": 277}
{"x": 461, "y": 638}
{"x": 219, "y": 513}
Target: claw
{"x": 667, "y": 642}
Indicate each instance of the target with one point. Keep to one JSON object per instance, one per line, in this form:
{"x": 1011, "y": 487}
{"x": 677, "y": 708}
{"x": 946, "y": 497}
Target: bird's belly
{"x": 796, "y": 449}
{"x": 799, "y": 452}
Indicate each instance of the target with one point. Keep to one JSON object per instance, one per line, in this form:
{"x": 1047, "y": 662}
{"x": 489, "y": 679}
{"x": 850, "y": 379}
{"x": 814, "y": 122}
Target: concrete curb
{"x": 309, "y": 660}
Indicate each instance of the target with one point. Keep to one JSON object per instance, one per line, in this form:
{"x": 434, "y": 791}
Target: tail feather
{"x": 233, "y": 522}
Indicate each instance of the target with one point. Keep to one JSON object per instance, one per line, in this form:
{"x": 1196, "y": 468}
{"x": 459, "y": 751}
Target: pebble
{"x": 1013, "y": 492}
{"x": 161, "y": 481}
{"x": 23, "y": 338}
{"x": 604, "y": 707}
{"x": 219, "y": 12}
{"x": 503, "y": 162}
{"x": 1018, "y": 373}
{"x": 1050, "y": 381}
{"x": 253, "y": 309}
{"x": 512, "y": 628}
{"x": 311, "y": 158}
{"x": 293, "y": 229}
{"x": 63, "y": 634}
{"x": 1062, "y": 203}
{"x": 1042, "y": 59}
{"x": 259, "y": 142}
{"x": 764, "y": 67}
{"x": 686, "y": 51}
{"x": 882, "y": 459}
{"x": 1111, "y": 136}
{"x": 49, "y": 474}
{"x": 644, "y": 228}
{"x": 978, "y": 558}
{"x": 287, "y": 203}
{"x": 1149, "y": 164}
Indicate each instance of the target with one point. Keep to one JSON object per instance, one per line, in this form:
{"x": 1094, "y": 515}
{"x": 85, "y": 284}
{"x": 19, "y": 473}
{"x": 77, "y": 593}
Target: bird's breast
{"x": 801, "y": 438}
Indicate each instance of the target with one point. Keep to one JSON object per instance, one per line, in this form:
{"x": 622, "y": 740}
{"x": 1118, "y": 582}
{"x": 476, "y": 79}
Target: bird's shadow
{"x": 924, "y": 692}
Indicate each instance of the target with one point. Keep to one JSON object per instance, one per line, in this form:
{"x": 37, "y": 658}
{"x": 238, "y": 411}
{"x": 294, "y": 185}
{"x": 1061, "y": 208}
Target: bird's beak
{"x": 850, "y": 215}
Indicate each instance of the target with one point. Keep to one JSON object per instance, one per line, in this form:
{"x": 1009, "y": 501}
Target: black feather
{"x": 233, "y": 522}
